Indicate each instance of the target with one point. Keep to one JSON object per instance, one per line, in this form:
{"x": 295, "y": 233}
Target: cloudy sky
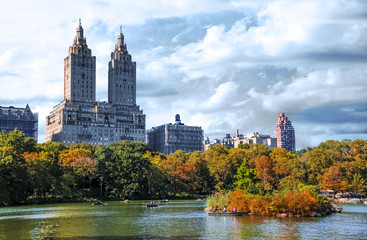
{"x": 222, "y": 65}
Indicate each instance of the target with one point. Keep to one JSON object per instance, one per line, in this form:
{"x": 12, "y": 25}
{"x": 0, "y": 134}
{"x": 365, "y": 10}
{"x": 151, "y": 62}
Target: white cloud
{"x": 316, "y": 88}
{"x": 221, "y": 98}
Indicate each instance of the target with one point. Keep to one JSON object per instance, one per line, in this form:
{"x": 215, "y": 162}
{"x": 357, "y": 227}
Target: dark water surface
{"x": 185, "y": 219}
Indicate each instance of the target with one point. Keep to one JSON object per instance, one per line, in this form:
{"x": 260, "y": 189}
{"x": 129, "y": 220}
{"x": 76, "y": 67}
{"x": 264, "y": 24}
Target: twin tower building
{"x": 79, "y": 117}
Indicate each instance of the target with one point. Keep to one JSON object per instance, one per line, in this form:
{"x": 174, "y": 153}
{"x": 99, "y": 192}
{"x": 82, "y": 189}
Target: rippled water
{"x": 173, "y": 220}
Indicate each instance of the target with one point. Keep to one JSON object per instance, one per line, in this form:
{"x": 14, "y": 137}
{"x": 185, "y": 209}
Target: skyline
{"x": 221, "y": 66}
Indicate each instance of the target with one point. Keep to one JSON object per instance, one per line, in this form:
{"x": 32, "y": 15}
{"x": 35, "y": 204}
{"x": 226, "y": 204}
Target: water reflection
{"x": 177, "y": 219}
{"x": 45, "y": 229}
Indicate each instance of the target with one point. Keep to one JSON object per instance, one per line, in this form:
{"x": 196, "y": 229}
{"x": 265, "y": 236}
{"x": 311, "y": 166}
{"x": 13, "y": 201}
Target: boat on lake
{"x": 164, "y": 201}
{"x": 226, "y": 213}
{"x": 97, "y": 203}
{"x": 152, "y": 205}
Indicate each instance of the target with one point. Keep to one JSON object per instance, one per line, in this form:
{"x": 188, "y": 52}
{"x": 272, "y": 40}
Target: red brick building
{"x": 284, "y": 133}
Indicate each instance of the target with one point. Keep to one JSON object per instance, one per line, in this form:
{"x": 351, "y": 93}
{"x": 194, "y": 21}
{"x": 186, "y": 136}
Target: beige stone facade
{"x": 234, "y": 142}
{"x": 79, "y": 118}
{"x": 256, "y": 138}
{"x": 168, "y": 138}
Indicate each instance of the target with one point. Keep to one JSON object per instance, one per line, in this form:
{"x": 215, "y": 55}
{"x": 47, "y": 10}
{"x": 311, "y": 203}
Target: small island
{"x": 303, "y": 203}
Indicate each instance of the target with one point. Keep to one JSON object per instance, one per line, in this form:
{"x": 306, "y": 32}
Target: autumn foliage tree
{"x": 79, "y": 167}
{"x": 265, "y": 172}
{"x": 332, "y": 179}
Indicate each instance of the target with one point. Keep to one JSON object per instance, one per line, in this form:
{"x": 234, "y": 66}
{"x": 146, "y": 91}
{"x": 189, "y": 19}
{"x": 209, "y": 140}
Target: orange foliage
{"x": 295, "y": 203}
{"x": 79, "y": 161}
{"x": 249, "y": 203}
{"x": 264, "y": 171}
{"x": 332, "y": 179}
{"x": 292, "y": 203}
{"x": 31, "y": 157}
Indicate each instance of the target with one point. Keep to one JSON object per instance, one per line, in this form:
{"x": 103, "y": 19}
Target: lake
{"x": 179, "y": 219}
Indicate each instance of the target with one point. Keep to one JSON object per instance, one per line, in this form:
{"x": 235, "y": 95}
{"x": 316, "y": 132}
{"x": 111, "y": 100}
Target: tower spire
{"x": 120, "y": 41}
{"x": 79, "y": 31}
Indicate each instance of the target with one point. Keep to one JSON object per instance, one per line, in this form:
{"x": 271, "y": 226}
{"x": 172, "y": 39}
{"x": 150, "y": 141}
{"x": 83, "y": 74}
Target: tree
{"x": 102, "y": 157}
{"x": 246, "y": 179}
{"x": 332, "y": 179}
{"x": 357, "y": 183}
{"x": 79, "y": 167}
{"x": 13, "y": 177}
{"x": 49, "y": 153}
{"x": 318, "y": 161}
{"x": 128, "y": 170}
{"x": 201, "y": 180}
{"x": 289, "y": 172}
{"x": 18, "y": 141}
{"x": 40, "y": 174}
{"x": 176, "y": 170}
{"x": 264, "y": 172}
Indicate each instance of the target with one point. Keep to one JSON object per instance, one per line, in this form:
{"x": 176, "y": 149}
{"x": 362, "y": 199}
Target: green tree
{"x": 18, "y": 141}
{"x": 49, "y": 154}
{"x": 201, "y": 180}
{"x": 14, "y": 185}
{"x": 246, "y": 179}
{"x": 357, "y": 183}
{"x": 128, "y": 170}
{"x": 103, "y": 156}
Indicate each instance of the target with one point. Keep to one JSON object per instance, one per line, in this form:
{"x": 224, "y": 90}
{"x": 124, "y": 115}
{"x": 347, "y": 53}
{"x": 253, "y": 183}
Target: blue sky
{"x": 222, "y": 65}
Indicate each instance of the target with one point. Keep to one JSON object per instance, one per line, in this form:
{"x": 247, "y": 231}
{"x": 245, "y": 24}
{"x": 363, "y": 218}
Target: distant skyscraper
{"x": 284, "y": 133}
{"x": 169, "y": 138}
{"x": 19, "y": 118}
{"x": 79, "y": 117}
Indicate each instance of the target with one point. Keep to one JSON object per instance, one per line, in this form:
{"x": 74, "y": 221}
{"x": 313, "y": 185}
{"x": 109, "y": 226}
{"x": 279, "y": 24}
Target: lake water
{"x": 180, "y": 219}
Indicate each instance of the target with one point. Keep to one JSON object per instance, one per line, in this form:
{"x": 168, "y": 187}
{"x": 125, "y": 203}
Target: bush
{"x": 220, "y": 199}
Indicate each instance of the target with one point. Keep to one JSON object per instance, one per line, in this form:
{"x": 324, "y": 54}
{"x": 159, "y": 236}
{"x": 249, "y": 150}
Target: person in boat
{"x": 234, "y": 209}
{"x": 224, "y": 209}
{"x": 215, "y": 209}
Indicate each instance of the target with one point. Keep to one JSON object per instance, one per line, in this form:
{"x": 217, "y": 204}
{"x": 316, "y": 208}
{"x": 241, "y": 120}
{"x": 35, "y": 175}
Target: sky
{"x": 221, "y": 65}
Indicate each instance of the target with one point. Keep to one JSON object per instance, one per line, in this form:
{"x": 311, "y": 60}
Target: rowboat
{"x": 226, "y": 213}
{"x": 152, "y": 205}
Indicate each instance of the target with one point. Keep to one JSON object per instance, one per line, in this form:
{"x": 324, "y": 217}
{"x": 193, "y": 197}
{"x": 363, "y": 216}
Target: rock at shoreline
{"x": 315, "y": 214}
{"x": 335, "y": 208}
{"x": 348, "y": 200}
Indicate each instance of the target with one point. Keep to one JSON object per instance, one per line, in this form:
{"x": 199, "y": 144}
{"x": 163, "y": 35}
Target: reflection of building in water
{"x": 79, "y": 117}
{"x": 23, "y": 119}
{"x": 168, "y": 138}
